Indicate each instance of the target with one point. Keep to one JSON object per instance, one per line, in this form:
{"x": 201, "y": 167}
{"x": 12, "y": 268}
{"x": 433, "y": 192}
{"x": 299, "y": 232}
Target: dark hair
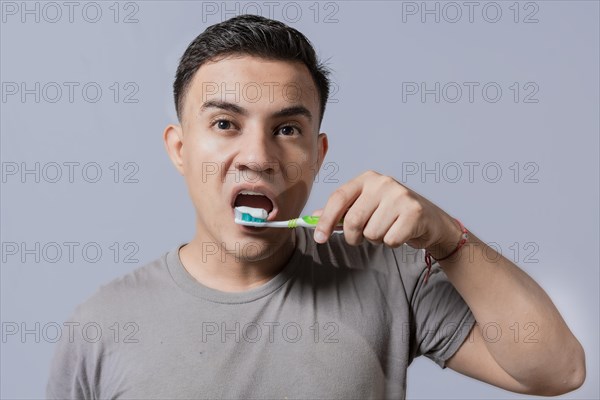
{"x": 253, "y": 35}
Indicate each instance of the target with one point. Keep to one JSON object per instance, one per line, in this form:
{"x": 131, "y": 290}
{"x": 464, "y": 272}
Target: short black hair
{"x": 252, "y": 35}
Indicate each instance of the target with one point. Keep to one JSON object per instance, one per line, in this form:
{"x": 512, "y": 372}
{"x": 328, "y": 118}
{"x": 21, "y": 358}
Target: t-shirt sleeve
{"x": 440, "y": 319}
{"x": 73, "y": 366}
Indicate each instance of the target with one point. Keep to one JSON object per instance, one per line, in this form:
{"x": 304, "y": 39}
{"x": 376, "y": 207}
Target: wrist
{"x": 450, "y": 242}
{"x": 442, "y": 246}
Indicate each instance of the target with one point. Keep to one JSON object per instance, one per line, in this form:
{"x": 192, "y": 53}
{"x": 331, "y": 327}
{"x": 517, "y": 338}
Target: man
{"x": 243, "y": 312}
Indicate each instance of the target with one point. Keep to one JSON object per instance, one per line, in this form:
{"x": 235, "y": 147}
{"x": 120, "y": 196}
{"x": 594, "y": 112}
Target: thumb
{"x": 317, "y": 213}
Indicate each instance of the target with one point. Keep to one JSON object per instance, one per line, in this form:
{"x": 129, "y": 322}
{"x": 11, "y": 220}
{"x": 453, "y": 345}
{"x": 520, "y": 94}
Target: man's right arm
{"x": 71, "y": 369}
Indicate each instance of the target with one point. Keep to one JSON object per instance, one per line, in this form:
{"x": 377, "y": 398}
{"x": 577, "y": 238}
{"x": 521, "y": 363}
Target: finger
{"x": 380, "y": 222}
{"x": 357, "y": 217}
{"x": 336, "y": 206}
{"x": 337, "y": 229}
{"x": 400, "y": 231}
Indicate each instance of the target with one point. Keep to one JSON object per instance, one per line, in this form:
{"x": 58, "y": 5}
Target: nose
{"x": 257, "y": 153}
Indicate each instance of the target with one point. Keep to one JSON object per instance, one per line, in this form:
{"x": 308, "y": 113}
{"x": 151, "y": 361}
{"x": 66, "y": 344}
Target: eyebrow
{"x": 223, "y": 105}
{"x": 234, "y": 108}
{"x": 293, "y": 111}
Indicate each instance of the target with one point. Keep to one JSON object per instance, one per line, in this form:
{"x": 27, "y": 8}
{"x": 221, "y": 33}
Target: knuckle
{"x": 351, "y": 223}
{"x": 387, "y": 180}
{"x": 391, "y": 240}
{"x": 340, "y": 195}
{"x": 372, "y": 235}
{"x": 402, "y": 194}
{"x": 353, "y": 240}
{"x": 417, "y": 208}
{"x": 354, "y": 220}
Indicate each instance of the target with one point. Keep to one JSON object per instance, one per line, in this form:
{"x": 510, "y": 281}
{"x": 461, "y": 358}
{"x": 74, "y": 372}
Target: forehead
{"x": 253, "y": 80}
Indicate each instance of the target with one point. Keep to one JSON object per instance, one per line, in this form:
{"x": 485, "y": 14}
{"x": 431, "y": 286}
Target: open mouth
{"x": 258, "y": 199}
{"x": 252, "y": 199}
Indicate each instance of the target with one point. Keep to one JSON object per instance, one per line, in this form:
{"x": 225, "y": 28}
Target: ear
{"x": 173, "y": 138}
{"x": 323, "y": 146}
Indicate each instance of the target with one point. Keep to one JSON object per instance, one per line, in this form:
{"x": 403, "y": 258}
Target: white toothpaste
{"x": 254, "y": 212}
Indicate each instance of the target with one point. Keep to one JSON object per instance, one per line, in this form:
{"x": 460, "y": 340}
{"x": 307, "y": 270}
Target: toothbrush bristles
{"x": 249, "y": 218}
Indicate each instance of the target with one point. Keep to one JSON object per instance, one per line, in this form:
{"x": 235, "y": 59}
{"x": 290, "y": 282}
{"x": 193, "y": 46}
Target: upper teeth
{"x": 251, "y": 192}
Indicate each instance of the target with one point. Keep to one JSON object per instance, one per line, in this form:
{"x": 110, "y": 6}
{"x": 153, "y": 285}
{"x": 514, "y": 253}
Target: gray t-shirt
{"x": 338, "y": 321}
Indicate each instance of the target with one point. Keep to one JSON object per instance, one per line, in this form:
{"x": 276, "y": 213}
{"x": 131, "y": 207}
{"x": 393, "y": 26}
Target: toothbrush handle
{"x": 338, "y": 226}
{"x": 292, "y": 223}
{"x": 313, "y": 224}
{"x": 276, "y": 224}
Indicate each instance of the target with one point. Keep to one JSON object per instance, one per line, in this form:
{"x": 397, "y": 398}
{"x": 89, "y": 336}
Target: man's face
{"x": 249, "y": 124}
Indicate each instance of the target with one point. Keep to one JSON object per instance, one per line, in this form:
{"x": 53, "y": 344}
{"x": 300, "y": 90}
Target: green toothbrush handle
{"x": 309, "y": 221}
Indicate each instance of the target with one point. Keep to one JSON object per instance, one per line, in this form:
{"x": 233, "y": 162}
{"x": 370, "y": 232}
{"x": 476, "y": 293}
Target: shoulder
{"x": 120, "y": 296}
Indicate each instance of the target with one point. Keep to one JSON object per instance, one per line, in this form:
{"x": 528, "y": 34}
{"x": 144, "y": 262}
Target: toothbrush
{"x": 250, "y": 216}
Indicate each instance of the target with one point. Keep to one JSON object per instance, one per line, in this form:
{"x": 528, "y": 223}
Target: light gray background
{"x": 372, "y": 51}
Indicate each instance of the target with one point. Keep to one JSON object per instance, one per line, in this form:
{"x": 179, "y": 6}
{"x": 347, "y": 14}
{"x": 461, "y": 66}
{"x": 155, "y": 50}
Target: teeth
{"x": 251, "y": 193}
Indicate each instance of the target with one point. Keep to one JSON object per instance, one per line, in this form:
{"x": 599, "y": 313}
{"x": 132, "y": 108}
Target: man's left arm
{"x": 526, "y": 346}
{"x": 499, "y": 293}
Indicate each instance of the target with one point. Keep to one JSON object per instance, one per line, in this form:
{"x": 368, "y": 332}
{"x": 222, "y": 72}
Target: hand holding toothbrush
{"x": 382, "y": 210}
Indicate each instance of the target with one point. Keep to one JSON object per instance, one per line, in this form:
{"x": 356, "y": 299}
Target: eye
{"x": 222, "y": 124}
{"x": 288, "y": 130}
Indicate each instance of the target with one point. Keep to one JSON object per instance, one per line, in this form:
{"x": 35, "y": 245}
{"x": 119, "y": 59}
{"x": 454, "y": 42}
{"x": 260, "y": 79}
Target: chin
{"x": 252, "y": 249}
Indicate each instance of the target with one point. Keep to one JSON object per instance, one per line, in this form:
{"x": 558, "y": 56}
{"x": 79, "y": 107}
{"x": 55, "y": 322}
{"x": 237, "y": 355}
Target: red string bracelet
{"x": 460, "y": 244}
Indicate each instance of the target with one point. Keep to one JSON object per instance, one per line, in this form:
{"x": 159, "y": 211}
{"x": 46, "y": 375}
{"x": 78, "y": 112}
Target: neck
{"x": 219, "y": 269}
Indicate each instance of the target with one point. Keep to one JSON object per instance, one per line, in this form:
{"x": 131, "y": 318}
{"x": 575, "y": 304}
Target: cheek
{"x": 204, "y": 159}
{"x": 309, "y": 163}
{"x": 299, "y": 165}
{"x": 302, "y": 173}
{"x": 208, "y": 146}
{"x": 205, "y": 155}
